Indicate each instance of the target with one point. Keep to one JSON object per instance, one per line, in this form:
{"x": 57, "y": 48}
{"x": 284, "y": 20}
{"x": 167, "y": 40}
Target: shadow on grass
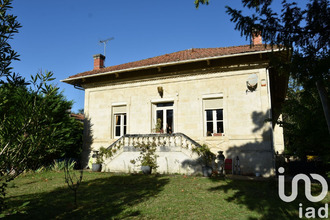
{"x": 104, "y": 198}
{"x": 262, "y": 197}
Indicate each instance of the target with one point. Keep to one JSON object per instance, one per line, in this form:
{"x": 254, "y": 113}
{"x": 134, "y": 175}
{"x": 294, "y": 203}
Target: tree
{"x": 35, "y": 125}
{"x": 305, "y": 135}
{"x": 21, "y": 115}
{"x": 52, "y": 129}
{"x": 304, "y": 31}
{"x": 8, "y": 27}
{"x": 201, "y": 1}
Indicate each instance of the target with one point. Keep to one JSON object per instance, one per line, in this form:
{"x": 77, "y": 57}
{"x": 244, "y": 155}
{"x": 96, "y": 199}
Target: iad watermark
{"x": 310, "y": 212}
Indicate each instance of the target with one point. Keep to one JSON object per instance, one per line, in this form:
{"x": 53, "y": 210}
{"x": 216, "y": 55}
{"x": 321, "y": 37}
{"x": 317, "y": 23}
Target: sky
{"x": 63, "y": 35}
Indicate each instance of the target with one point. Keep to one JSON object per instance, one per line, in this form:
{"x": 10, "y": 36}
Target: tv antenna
{"x": 105, "y": 42}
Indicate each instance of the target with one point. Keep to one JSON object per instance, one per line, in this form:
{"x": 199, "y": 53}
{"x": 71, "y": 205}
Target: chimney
{"x": 256, "y": 38}
{"x": 98, "y": 61}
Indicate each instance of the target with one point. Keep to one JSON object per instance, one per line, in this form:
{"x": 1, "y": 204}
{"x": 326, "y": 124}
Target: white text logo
{"x": 310, "y": 211}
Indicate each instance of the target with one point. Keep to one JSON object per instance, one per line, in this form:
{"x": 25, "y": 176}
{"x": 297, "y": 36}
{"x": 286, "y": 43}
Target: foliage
{"x": 8, "y": 27}
{"x": 16, "y": 210}
{"x": 72, "y": 180}
{"x": 81, "y": 111}
{"x": 148, "y": 156}
{"x": 206, "y": 154}
{"x": 202, "y": 2}
{"x": 104, "y": 152}
{"x": 158, "y": 126}
{"x": 305, "y": 130}
{"x": 20, "y": 137}
{"x": 60, "y": 165}
{"x": 35, "y": 125}
{"x": 305, "y": 31}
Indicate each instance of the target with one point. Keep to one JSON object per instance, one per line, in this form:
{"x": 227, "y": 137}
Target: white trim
{"x": 162, "y": 100}
{"x": 212, "y": 96}
{"x": 167, "y": 64}
{"x": 118, "y": 103}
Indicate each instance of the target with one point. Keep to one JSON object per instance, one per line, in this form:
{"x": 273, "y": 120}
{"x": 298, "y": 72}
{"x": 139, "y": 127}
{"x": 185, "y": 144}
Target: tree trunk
{"x": 325, "y": 102}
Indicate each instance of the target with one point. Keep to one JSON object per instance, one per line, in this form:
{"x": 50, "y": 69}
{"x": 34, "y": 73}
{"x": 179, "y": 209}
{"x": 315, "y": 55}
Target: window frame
{"x": 122, "y": 125}
{"x": 213, "y": 103}
{"x": 215, "y": 122}
{"x": 164, "y": 108}
{"x": 119, "y": 109}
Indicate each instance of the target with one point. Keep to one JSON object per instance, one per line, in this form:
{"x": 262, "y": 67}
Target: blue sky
{"x": 63, "y": 35}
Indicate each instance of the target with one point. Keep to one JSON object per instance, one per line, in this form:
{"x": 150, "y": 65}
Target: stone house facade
{"x": 221, "y": 97}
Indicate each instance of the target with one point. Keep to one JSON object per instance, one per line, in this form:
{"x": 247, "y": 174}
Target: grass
{"x": 109, "y": 196}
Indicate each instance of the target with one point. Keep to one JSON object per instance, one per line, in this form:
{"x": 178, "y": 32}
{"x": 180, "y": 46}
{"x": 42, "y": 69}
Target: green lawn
{"x": 110, "y": 196}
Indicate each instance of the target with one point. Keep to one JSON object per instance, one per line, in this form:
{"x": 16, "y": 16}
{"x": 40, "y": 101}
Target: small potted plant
{"x": 147, "y": 158}
{"x": 207, "y": 157}
{"x": 98, "y": 158}
{"x": 96, "y": 166}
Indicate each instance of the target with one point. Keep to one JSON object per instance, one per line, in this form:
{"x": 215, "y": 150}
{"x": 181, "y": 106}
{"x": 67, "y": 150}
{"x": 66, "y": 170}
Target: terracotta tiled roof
{"x": 184, "y": 55}
{"x": 79, "y": 116}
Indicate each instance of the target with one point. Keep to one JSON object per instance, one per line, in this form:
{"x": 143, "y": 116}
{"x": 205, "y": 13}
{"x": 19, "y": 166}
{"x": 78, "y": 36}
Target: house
{"x": 221, "y": 97}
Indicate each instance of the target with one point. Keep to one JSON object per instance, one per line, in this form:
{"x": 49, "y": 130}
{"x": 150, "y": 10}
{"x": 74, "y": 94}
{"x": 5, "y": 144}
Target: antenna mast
{"x": 105, "y": 42}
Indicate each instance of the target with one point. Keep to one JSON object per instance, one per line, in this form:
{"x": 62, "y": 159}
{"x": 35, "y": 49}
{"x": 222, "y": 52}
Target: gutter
{"x": 67, "y": 80}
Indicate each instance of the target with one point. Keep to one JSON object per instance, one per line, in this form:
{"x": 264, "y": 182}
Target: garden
{"x": 46, "y": 195}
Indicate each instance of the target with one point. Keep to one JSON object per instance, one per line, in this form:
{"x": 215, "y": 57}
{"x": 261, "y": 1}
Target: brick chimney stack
{"x": 256, "y": 38}
{"x": 98, "y": 61}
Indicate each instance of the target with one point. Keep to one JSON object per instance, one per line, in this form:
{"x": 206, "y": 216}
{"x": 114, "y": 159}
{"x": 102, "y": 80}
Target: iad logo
{"x": 307, "y": 187}
{"x": 310, "y": 211}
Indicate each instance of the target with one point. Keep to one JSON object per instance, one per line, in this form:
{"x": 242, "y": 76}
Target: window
{"x": 164, "y": 117}
{"x": 213, "y": 117}
{"x": 119, "y": 121}
{"x": 120, "y": 125}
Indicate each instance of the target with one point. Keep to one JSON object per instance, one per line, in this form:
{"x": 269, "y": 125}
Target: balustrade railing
{"x": 166, "y": 140}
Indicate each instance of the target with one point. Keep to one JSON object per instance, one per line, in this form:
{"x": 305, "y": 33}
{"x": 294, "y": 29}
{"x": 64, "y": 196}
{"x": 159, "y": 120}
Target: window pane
{"x": 117, "y": 119}
{"x": 169, "y": 121}
{"x": 220, "y": 127}
{"x": 209, "y": 128}
{"x": 165, "y": 104}
{"x": 120, "y": 124}
{"x": 209, "y": 115}
{"x": 219, "y": 114}
{"x": 159, "y": 117}
{"x": 117, "y": 131}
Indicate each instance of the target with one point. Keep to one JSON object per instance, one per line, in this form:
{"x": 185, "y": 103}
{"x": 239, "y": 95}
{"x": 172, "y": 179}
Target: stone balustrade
{"x": 162, "y": 140}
